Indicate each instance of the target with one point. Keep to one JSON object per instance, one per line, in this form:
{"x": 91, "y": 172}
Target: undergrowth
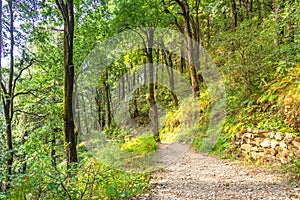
{"x": 92, "y": 180}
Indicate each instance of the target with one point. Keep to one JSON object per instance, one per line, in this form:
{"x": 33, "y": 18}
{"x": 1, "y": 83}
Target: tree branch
{"x": 166, "y": 10}
{"x": 62, "y": 7}
{"x": 24, "y": 93}
{"x": 140, "y": 35}
{"x": 20, "y": 74}
{"x": 3, "y": 88}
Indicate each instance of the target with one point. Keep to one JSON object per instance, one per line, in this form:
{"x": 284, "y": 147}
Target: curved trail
{"x": 201, "y": 176}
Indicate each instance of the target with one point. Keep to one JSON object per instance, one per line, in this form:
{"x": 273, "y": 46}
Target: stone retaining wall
{"x": 268, "y": 146}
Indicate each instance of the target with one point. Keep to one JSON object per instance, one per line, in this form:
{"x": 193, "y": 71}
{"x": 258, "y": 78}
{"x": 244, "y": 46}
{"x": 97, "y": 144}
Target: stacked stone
{"x": 268, "y": 146}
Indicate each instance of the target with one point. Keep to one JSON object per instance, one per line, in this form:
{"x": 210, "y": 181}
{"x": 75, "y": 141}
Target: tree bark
{"x": 149, "y": 52}
{"x": 107, "y": 98}
{"x": 190, "y": 45}
{"x": 233, "y": 14}
{"x": 8, "y": 95}
{"x": 67, "y": 11}
{"x": 182, "y": 61}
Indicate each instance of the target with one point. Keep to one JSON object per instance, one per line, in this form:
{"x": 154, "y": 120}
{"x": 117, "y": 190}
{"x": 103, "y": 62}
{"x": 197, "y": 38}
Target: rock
{"x": 237, "y": 136}
{"x": 296, "y": 144}
{"x": 246, "y": 147}
{"x": 242, "y": 138}
{"x": 270, "y": 157}
{"x": 297, "y": 153}
{"x": 286, "y": 153}
{"x": 283, "y": 160}
{"x": 264, "y": 135}
{"x": 265, "y": 143}
{"x": 259, "y": 131}
{"x": 283, "y": 145}
{"x": 249, "y": 130}
{"x": 271, "y": 152}
{"x": 290, "y": 147}
{"x": 278, "y": 149}
{"x": 271, "y": 135}
{"x": 288, "y": 137}
{"x": 243, "y": 173}
{"x": 249, "y": 135}
{"x": 279, "y": 136}
{"x": 255, "y": 148}
{"x": 273, "y": 146}
{"x": 274, "y": 143}
{"x": 257, "y": 155}
{"x": 258, "y": 141}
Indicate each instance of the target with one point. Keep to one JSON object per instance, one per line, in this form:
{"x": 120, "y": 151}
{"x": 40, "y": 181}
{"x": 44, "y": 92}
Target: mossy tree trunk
{"x": 67, "y": 11}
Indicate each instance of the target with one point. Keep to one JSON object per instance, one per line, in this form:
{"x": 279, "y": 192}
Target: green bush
{"x": 92, "y": 180}
{"x": 143, "y": 144}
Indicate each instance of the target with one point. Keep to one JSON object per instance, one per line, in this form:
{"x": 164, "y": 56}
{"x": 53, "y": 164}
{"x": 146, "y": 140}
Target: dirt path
{"x": 199, "y": 176}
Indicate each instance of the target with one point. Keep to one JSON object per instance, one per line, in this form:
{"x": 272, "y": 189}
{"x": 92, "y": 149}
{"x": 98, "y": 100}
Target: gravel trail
{"x": 199, "y": 176}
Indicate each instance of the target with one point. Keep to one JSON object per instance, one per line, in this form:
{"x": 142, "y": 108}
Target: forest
{"x": 90, "y": 89}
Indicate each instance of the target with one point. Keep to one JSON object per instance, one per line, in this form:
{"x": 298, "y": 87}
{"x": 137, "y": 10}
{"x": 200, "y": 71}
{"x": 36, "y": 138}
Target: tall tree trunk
{"x": 67, "y": 11}
{"x": 135, "y": 93}
{"x": 233, "y": 14}
{"x": 170, "y": 72}
{"x": 77, "y": 112}
{"x": 171, "y": 79}
{"x": 107, "y": 98}
{"x": 182, "y": 61}
{"x": 149, "y": 52}
{"x": 7, "y": 98}
{"x": 99, "y": 107}
{"x": 190, "y": 45}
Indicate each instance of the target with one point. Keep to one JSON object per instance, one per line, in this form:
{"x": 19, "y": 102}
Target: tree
{"x": 8, "y": 93}
{"x": 9, "y": 80}
{"x": 67, "y": 12}
{"x": 191, "y": 30}
{"x": 146, "y": 15}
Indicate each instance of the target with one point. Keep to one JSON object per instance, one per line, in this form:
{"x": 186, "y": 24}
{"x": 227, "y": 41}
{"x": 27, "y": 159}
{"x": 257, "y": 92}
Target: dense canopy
{"x": 90, "y": 88}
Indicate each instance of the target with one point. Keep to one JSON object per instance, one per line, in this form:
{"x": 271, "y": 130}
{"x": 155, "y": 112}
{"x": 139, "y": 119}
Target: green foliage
{"x": 92, "y": 181}
{"x": 260, "y": 69}
{"x": 142, "y": 144}
{"x": 293, "y": 169}
{"x": 181, "y": 124}
{"x": 259, "y": 61}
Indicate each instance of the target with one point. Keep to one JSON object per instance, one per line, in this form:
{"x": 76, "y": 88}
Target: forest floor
{"x": 200, "y": 176}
